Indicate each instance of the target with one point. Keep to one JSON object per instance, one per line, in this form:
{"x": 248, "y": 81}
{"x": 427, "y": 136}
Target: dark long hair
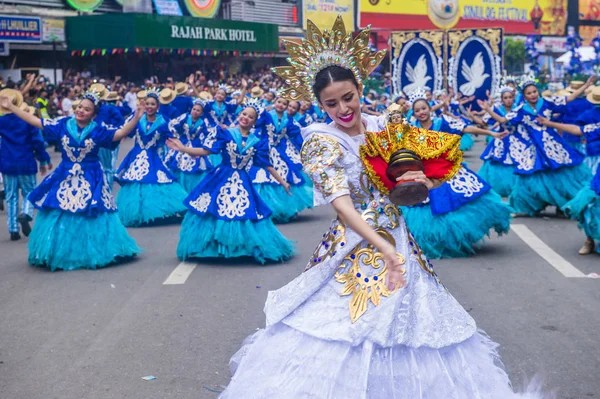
{"x": 333, "y": 73}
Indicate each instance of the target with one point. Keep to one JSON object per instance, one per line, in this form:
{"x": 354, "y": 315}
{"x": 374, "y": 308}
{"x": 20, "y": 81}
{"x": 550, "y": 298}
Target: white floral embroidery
{"x": 522, "y": 154}
{"x": 455, "y": 123}
{"x": 233, "y": 199}
{"x": 89, "y": 146}
{"x": 558, "y": 100}
{"x": 465, "y": 183}
{"x": 292, "y": 153}
{"x": 107, "y": 198}
{"x": 150, "y": 144}
{"x": 185, "y": 162}
{"x": 139, "y": 168}
{"x": 74, "y": 192}
{"x": 211, "y": 138}
{"x": 162, "y": 177}
{"x": 175, "y": 122}
{"x": 201, "y": 203}
{"x": 498, "y": 148}
{"x": 296, "y": 179}
{"x": 280, "y": 166}
{"x": 261, "y": 177}
{"x": 239, "y": 161}
{"x": 554, "y": 150}
{"x": 591, "y": 127}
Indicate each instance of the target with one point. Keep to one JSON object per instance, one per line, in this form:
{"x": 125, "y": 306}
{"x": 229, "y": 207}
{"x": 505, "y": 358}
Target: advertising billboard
{"x": 548, "y": 17}
{"x": 324, "y": 12}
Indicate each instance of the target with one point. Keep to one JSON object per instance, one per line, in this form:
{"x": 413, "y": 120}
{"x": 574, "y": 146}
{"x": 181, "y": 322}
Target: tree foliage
{"x": 514, "y": 56}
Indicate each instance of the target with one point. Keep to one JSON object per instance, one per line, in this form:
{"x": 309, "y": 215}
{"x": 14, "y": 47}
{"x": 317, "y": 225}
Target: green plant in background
{"x": 514, "y": 56}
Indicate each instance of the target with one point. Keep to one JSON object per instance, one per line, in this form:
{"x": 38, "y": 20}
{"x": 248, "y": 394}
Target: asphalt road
{"x": 95, "y": 334}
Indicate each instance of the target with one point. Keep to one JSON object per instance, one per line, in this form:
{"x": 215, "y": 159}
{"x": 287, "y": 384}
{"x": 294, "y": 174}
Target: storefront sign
{"x": 202, "y": 8}
{"x": 169, "y": 32}
{"x": 547, "y": 17}
{"x": 53, "y": 30}
{"x": 167, "y": 7}
{"x": 324, "y": 12}
{"x": 85, "y": 5}
{"x": 20, "y": 29}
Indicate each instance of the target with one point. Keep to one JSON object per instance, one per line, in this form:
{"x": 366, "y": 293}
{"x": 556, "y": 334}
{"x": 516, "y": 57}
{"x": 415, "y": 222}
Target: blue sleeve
{"x": 176, "y": 125}
{"x": 215, "y": 141}
{"x": 295, "y": 134}
{"x": 104, "y": 136}
{"x": 261, "y": 158}
{"x": 39, "y": 148}
{"x": 452, "y": 125}
{"x": 558, "y": 105}
{"x": 52, "y": 128}
{"x": 165, "y": 132}
{"x": 515, "y": 117}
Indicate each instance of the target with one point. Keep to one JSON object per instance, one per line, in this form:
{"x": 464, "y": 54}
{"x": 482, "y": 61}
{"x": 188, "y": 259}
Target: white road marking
{"x": 547, "y": 253}
{"x": 180, "y": 274}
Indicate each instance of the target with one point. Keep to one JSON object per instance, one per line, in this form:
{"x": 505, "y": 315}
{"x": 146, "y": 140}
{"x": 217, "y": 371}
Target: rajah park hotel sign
{"x": 198, "y": 32}
{"x": 169, "y": 32}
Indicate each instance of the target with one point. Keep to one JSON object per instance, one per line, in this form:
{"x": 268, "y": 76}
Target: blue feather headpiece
{"x": 153, "y": 93}
{"x": 256, "y": 104}
{"x": 93, "y": 96}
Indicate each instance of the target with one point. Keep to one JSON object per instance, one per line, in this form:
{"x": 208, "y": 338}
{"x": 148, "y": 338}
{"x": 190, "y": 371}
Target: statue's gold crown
{"x": 320, "y": 50}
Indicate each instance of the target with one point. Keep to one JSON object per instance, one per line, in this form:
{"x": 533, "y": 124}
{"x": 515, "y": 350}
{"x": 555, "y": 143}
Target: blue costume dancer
{"x": 283, "y": 135}
{"x": 191, "y": 130}
{"x": 461, "y": 212}
{"x": 572, "y": 111}
{"x": 585, "y": 207}
{"x": 498, "y": 166}
{"x": 549, "y": 171}
{"x": 77, "y": 226}
{"x": 592, "y": 149}
{"x": 219, "y": 112}
{"x": 149, "y": 190}
{"x": 110, "y": 115}
{"x": 21, "y": 144}
{"x": 227, "y": 218}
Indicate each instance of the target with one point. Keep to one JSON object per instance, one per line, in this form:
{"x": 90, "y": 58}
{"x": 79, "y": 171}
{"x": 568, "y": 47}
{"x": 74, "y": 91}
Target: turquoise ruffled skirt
{"x": 189, "y": 181}
{"x": 499, "y": 176}
{"x": 455, "y": 234}
{"x": 141, "y": 204}
{"x": 466, "y": 142}
{"x": 285, "y": 208}
{"x": 532, "y": 193}
{"x": 208, "y": 237}
{"x": 66, "y": 241}
{"x": 585, "y": 208}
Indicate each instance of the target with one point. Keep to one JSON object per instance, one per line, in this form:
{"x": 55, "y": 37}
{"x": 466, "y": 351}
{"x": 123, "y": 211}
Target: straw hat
{"x": 576, "y": 84}
{"x": 112, "y": 96}
{"x": 100, "y": 89}
{"x": 594, "y": 96}
{"x": 256, "y": 92}
{"x": 141, "y": 94}
{"x": 205, "y": 96}
{"x": 75, "y": 104}
{"x": 166, "y": 96}
{"x": 14, "y": 96}
{"x": 181, "y": 88}
{"x": 547, "y": 93}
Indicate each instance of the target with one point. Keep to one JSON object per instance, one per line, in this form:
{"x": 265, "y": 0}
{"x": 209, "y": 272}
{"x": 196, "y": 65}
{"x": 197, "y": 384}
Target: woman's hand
{"x": 395, "y": 277}
{"x": 483, "y": 105}
{"x": 5, "y": 102}
{"x": 139, "y": 111}
{"x": 287, "y": 188}
{"x": 501, "y": 135}
{"x": 417, "y": 176}
{"x": 175, "y": 144}
{"x": 540, "y": 119}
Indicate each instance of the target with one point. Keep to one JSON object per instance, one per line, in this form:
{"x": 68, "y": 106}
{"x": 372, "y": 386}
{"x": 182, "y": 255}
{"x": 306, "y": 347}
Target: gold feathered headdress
{"x": 320, "y": 50}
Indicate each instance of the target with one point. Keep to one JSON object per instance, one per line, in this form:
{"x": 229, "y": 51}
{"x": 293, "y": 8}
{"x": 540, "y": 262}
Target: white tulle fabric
{"x": 418, "y": 343}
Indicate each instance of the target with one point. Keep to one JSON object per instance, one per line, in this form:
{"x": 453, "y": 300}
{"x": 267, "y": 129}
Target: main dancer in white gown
{"x": 369, "y": 317}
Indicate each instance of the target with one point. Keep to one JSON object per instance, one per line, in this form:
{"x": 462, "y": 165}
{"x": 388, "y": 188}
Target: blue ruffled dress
{"x": 188, "y": 169}
{"x": 498, "y": 167}
{"x": 284, "y": 137}
{"x": 77, "y": 226}
{"x": 571, "y": 115}
{"x": 460, "y": 213}
{"x": 549, "y": 171}
{"x": 585, "y": 207}
{"x": 149, "y": 190}
{"x": 227, "y": 218}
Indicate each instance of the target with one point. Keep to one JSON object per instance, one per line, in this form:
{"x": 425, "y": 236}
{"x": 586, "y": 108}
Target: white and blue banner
{"x": 475, "y": 61}
{"x": 417, "y": 61}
